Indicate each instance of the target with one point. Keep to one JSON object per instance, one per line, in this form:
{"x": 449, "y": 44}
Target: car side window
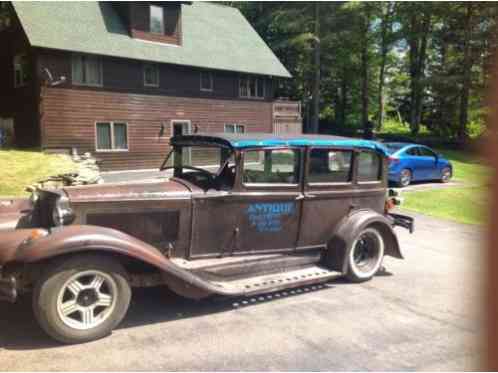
{"x": 271, "y": 166}
{"x": 330, "y": 166}
{"x": 369, "y": 167}
{"x": 424, "y": 152}
{"x": 412, "y": 151}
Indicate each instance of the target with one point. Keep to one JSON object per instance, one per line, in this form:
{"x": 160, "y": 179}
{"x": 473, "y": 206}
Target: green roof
{"x": 214, "y": 36}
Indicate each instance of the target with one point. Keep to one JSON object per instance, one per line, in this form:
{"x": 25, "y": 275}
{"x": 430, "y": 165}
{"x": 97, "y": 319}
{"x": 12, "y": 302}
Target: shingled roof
{"x": 214, "y": 36}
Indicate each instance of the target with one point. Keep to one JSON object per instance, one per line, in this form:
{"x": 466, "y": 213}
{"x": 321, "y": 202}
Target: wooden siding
{"x": 139, "y": 23}
{"x": 122, "y": 75}
{"x": 19, "y": 103}
{"x": 70, "y": 115}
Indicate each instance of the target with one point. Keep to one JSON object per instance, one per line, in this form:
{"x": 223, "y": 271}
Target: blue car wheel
{"x": 446, "y": 175}
{"x": 405, "y": 177}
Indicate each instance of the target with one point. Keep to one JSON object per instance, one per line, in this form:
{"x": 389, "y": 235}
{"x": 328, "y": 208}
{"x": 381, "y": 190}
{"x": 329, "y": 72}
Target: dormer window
{"x": 151, "y": 76}
{"x": 156, "y": 19}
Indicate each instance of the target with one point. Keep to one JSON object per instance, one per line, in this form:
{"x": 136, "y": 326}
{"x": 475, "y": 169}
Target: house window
{"x": 235, "y": 128}
{"x": 151, "y": 76}
{"x": 251, "y": 87}
{"x": 5, "y": 16}
{"x": 111, "y": 136}
{"x": 87, "y": 70}
{"x": 156, "y": 19}
{"x": 21, "y": 70}
{"x": 206, "y": 81}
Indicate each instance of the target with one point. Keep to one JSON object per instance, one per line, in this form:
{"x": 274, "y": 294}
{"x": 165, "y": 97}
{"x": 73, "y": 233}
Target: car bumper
{"x": 8, "y": 288}
{"x": 403, "y": 221}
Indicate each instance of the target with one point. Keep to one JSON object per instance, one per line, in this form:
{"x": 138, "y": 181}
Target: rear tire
{"x": 405, "y": 178}
{"x": 82, "y": 298}
{"x": 445, "y": 175}
{"x": 365, "y": 256}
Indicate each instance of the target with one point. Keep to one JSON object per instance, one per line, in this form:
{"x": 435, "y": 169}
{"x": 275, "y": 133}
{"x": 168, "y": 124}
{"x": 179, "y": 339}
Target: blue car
{"x": 413, "y": 162}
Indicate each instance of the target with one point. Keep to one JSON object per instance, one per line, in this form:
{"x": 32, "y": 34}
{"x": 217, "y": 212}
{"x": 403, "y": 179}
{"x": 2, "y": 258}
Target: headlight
{"x": 62, "y": 214}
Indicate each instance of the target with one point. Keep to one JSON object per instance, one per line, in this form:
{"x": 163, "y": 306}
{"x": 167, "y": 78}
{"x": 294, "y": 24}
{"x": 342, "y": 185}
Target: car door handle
{"x": 300, "y": 197}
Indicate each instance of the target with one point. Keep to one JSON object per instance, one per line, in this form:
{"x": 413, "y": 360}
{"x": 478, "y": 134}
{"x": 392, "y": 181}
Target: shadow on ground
{"x": 20, "y": 331}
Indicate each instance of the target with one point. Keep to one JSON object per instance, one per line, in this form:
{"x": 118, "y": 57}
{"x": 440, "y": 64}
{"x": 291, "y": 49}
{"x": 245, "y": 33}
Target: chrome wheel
{"x": 405, "y": 178}
{"x": 367, "y": 253}
{"x": 87, "y": 299}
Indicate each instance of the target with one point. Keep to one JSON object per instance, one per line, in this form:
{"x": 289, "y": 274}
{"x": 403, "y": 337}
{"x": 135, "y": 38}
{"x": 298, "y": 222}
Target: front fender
{"x": 84, "y": 238}
{"x": 342, "y": 240}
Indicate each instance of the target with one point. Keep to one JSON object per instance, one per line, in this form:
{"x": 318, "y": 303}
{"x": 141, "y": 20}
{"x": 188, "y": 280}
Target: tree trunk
{"x": 413, "y": 42}
{"x": 364, "y": 73}
{"x": 418, "y": 53}
{"x": 341, "y": 112}
{"x": 421, "y": 68}
{"x": 316, "y": 82}
{"x": 467, "y": 66}
{"x": 386, "y": 25}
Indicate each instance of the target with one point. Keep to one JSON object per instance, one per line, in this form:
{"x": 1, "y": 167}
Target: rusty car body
{"x": 232, "y": 214}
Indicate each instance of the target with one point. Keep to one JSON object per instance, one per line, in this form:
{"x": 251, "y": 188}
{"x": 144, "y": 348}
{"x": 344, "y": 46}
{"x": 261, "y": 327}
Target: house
{"x": 117, "y": 79}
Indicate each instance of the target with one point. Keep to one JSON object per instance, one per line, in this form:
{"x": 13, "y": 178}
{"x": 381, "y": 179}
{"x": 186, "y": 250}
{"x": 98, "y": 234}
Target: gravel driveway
{"x": 420, "y": 315}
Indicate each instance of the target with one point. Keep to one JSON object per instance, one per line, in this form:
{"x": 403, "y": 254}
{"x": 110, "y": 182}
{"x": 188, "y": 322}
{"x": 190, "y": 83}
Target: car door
{"x": 413, "y": 162}
{"x": 428, "y": 163}
{"x": 269, "y": 200}
{"x": 328, "y": 192}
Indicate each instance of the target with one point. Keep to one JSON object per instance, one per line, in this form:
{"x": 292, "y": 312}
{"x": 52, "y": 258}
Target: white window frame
{"x": 162, "y": 20}
{"x": 235, "y": 126}
{"x": 101, "y": 78}
{"x": 113, "y": 144}
{"x": 156, "y": 67}
{"x": 18, "y": 67}
{"x": 247, "y": 79}
{"x": 210, "y": 74}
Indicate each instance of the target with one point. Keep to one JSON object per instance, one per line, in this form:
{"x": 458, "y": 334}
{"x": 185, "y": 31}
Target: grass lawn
{"x": 20, "y": 168}
{"x": 466, "y": 204}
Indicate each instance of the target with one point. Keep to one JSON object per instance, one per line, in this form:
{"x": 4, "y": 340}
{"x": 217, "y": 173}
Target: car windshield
{"x": 208, "y": 158}
{"x": 209, "y": 167}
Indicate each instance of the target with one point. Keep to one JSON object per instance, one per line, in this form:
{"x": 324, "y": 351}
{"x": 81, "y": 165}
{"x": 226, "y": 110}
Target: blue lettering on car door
{"x": 267, "y": 217}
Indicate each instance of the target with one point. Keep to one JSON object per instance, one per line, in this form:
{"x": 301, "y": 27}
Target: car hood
{"x": 129, "y": 191}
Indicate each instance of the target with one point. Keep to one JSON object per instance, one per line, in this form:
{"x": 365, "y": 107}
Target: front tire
{"x": 365, "y": 256}
{"x": 82, "y": 298}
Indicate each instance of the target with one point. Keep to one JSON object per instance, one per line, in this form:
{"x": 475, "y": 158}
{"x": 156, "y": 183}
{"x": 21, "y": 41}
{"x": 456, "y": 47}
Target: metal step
{"x": 233, "y": 268}
{"x": 274, "y": 282}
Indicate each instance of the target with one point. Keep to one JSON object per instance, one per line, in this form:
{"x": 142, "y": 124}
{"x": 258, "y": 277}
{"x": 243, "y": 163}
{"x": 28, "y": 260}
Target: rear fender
{"x": 342, "y": 240}
{"x": 85, "y": 238}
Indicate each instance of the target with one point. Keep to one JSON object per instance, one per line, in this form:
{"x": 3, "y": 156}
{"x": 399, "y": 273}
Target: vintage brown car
{"x": 229, "y": 214}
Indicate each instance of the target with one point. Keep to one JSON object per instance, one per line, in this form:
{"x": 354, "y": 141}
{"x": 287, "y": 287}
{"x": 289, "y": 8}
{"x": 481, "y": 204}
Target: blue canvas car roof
{"x": 252, "y": 140}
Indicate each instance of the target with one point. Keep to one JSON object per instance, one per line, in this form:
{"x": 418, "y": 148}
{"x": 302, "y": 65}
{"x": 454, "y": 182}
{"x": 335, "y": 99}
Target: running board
{"x": 274, "y": 282}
